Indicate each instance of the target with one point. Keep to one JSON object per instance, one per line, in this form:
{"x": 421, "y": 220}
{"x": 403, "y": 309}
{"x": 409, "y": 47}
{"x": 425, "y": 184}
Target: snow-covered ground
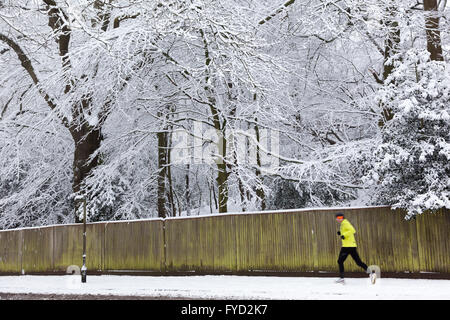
{"x": 230, "y": 287}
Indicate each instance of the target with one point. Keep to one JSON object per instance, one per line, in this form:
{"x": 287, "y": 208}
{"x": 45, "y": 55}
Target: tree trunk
{"x": 434, "y": 46}
{"x": 222, "y": 174}
{"x": 188, "y": 192}
{"x": 169, "y": 174}
{"x": 214, "y": 196}
{"x": 210, "y": 197}
{"x": 391, "y": 49}
{"x": 259, "y": 190}
{"x": 219, "y": 125}
{"x": 87, "y": 141}
{"x": 162, "y": 171}
{"x": 222, "y": 181}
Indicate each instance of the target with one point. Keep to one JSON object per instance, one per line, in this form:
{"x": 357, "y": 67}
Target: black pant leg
{"x": 342, "y": 256}
{"x": 355, "y": 256}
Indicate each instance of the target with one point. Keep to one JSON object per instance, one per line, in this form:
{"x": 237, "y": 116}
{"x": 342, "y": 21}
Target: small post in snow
{"x": 83, "y": 268}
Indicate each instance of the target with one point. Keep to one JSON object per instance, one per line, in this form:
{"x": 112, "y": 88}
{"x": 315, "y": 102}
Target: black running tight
{"x": 345, "y": 251}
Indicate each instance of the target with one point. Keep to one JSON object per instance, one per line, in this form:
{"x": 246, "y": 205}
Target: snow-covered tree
{"x": 94, "y": 94}
{"x": 412, "y": 164}
{"x": 197, "y": 62}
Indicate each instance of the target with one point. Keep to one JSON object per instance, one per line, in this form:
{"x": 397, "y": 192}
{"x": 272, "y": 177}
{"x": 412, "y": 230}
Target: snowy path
{"x": 230, "y": 287}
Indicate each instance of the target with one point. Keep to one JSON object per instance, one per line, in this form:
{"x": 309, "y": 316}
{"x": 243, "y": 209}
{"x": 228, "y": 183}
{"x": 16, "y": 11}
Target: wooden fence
{"x": 290, "y": 241}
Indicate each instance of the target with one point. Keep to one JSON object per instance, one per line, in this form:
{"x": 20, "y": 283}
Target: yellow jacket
{"x": 348, "y": 232}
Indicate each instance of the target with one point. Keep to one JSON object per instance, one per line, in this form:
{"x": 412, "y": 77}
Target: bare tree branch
{"x": 279, "y": 10}
{"x": 26, "y": 64}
